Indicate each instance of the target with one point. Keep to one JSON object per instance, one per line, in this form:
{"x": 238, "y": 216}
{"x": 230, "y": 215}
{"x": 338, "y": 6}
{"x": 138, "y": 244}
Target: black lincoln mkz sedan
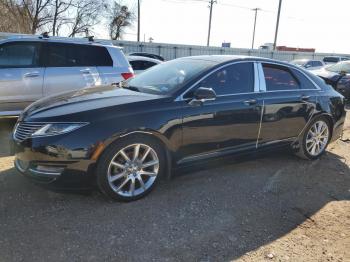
{"x": 185, "y": 110}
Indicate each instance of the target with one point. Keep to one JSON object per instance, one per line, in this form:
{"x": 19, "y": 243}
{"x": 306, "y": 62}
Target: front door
{"x": 229, "y": 122}
{"x": 21, "y": 76}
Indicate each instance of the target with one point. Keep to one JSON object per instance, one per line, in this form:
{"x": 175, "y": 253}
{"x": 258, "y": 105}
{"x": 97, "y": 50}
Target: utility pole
{"x": 277, "y": 24}
{"x": 211, "y": 3}
{"x": 138, "y": 20}
{"x": 256, "y": 14}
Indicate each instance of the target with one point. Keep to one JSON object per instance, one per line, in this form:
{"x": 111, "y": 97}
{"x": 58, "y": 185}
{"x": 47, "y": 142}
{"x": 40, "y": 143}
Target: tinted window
{"x": 19, "y": 55}
{"x": 279, "y": 78}
{"x": 317, "y": 63}
{"x": 304, "y": 82}
{"x": 71, "y": 55}
{"x": 233, "y": 79}
{"x": 141, "y": 65}
{"x": 330, "y": 59}
{"x": 309, "y": 64}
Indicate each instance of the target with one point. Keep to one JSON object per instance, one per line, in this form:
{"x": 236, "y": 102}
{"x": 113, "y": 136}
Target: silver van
{"x": 38, "y": 66}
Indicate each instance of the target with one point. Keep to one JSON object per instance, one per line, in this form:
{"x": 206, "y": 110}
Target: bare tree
{"x": 34, "y": 13}
{"x": 86, "y": 14}
{"x": 60, "y": 14}
{"x": 11, "y": 21}
{"x": 120, "y": 19}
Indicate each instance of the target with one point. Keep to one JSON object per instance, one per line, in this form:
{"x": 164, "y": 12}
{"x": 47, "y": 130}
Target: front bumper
{"x": 56, "y": 171}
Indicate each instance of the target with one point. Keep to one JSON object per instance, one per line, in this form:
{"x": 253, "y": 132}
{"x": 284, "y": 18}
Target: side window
{"x": 19, "y": 55}
{"x": 232, "y": 79}
{"x": 305, "y": 83}
{"x": 73, "y": 55}
{"x": 96, "y": 56}
{"x": 148, "y": 64}
{"x": 279, "y": 78}
{"x": 141, "y": 65}
{"x": 62, "y": 55}
{"x": 136, "y": 64}
{"x": 309, "y": 64}
{"x": 317, "y": 63}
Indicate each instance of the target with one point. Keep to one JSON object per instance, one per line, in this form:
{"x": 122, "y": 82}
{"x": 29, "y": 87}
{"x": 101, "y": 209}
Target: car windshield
{"x": 167, "y": 77}
{"x": 298, "y": 62}
{"x": 339, "y": 67}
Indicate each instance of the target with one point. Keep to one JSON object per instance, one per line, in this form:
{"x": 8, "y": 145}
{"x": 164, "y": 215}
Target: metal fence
{"x": 172, "y": 51}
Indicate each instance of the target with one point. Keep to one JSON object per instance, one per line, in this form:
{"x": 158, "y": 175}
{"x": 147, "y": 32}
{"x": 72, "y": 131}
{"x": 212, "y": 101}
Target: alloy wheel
{"x": 317, "y": 138}
{"x": 133, "y": 170}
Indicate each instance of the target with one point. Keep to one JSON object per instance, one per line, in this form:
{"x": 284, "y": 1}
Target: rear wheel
{"x": 129, "y": 169}
{"x": 315, "y": 139}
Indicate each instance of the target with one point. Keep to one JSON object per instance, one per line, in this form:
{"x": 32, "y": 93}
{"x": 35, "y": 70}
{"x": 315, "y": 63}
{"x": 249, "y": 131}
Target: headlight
{"x": 57, "y": 129}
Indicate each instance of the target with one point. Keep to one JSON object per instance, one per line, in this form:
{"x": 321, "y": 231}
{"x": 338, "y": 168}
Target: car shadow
{"x": 216, "y": 211}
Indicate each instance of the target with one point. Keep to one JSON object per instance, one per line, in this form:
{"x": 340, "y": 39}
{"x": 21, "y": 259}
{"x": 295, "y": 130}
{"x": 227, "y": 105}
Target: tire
{"x": 312, "y": 147}
{"x": 118, "y": 168}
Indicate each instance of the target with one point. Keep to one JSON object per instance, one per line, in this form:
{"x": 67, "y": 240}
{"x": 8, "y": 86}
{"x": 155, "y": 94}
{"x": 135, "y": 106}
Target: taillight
{"x": 128, "y": 75}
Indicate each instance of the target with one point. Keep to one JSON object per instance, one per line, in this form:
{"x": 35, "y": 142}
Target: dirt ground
{"x": 274, "y": 207}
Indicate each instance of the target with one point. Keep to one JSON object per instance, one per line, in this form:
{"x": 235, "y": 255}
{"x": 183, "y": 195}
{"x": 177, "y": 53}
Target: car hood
{"x": 84, "y": 100}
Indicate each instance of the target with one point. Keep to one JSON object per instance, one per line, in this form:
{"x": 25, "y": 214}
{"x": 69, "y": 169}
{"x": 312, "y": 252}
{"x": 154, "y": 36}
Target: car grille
{"x": 24, "y": 130}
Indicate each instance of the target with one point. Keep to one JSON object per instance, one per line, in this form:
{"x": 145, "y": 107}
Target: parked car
{"x": 334, "y": 59}
{"x": 35, "y": 67}
{"x": 308, "y": 63}
{"x": 338, "y": 76}
{"x": 154, "y": 56}
{"x": 177, "y": 113}
{"x": 142, "y": 63}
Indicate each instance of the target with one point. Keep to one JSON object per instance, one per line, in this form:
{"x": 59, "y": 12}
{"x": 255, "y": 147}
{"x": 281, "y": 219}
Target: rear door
{"x": 70, "y": 67}
{"x": 289, "y": 102}
{"x": 21, "y": 75}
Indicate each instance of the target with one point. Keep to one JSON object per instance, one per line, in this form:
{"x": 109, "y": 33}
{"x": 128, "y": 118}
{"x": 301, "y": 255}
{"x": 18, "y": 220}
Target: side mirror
{"x": 203, "y": 94}
{"x": 307, "y": 66}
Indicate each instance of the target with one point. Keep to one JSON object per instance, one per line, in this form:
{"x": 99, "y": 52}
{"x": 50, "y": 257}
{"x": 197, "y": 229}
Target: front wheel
{"x": 129, "y": 169}
{"x": 315, "y": 139}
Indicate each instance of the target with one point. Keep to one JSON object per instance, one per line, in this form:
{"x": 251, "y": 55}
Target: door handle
{"x": 250, "y": 102}
{"x": 304, "y": 98}
{"x": 31, "y": 75}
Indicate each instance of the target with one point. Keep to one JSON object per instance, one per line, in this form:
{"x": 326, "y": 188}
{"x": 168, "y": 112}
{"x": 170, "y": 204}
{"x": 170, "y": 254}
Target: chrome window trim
{"x": 256, "y": 78}
{"x": 282, "y": 65}
{"x": 262, "y": 82}
{"x": 259, "y": 79}
{"x": 181, "y": 97}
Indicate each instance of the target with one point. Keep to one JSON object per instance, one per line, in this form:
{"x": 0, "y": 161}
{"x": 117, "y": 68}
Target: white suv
{"x": 34, "y": 67}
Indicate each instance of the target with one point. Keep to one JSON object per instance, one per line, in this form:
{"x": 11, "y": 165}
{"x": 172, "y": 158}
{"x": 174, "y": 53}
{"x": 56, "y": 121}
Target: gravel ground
{"x": 275, "y": 208}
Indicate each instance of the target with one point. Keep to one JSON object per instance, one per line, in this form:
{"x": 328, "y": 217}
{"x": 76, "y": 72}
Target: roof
{"x": 220, "y": 59}
{"x": 83, "y": 41}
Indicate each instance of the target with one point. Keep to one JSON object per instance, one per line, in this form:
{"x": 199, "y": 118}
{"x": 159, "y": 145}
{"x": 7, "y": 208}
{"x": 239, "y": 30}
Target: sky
{"x": 319, "y": 24}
